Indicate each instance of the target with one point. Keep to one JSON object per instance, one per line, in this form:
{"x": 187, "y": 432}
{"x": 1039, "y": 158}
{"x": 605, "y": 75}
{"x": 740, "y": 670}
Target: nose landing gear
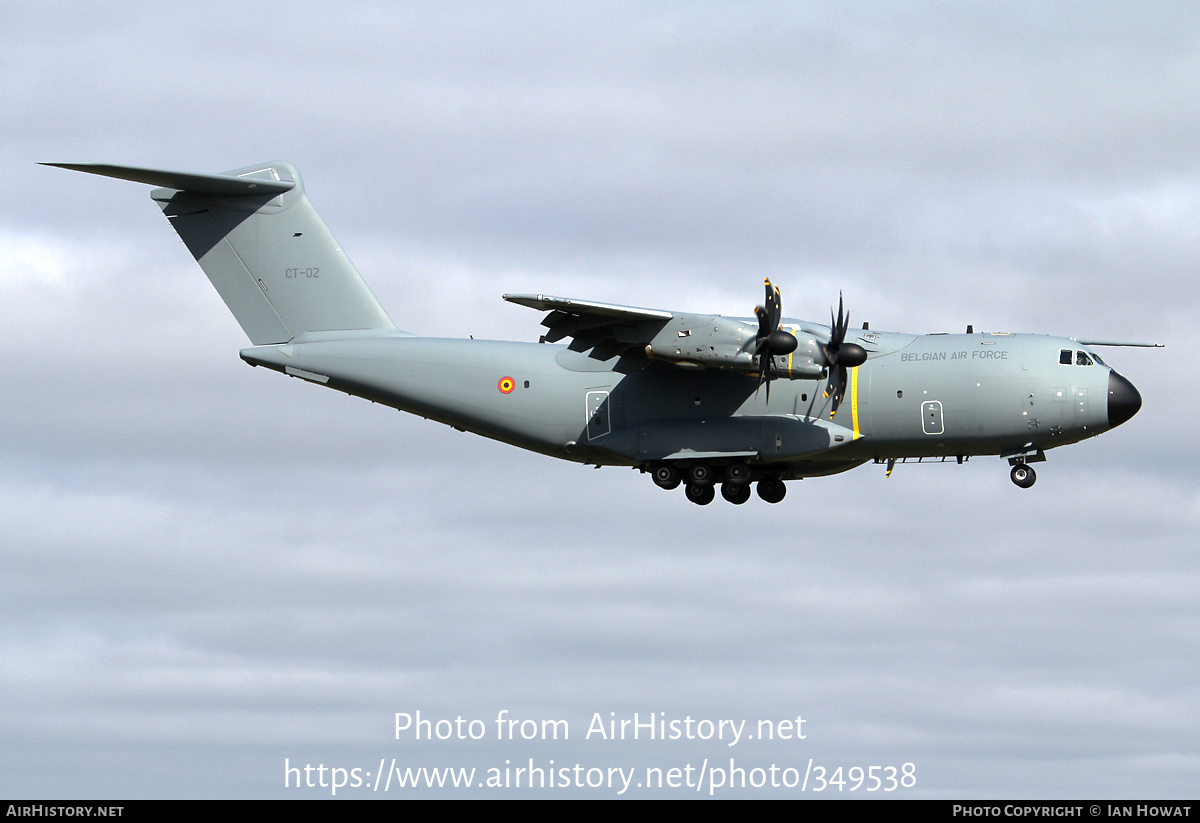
{"x": 1024, "y": 476}
{"x": 1022, "y": 473}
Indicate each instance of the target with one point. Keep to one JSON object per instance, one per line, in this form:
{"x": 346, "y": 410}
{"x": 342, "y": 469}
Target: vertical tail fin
{"x": 264, "y": 247}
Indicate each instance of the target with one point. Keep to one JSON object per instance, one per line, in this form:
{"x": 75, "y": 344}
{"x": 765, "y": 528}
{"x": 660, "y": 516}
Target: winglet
{"x": 226, "y": 184}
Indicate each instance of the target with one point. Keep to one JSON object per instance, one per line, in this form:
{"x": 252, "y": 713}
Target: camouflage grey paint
{"x": 988, "y": 394}
{"x": 684, "y": 394}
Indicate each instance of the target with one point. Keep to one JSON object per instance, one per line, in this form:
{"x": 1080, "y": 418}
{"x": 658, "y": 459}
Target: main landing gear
{"x": 667, "y": 477}
{"x": 735, "y": 479}
{"x": 1024, "y": 476}
{"x": 771, "y": 489}
{"x": 736, "y": 493}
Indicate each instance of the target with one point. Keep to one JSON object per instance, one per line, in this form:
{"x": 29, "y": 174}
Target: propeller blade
{"x": 771, "y": 341}
{"x": 764, "y": 328}
{"x": 840, "y": 355}
{"x": 840, "y": 392}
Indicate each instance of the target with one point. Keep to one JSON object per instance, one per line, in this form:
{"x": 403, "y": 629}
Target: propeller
{"x": 771, "y": 341}
{"x": 840, "y": 355}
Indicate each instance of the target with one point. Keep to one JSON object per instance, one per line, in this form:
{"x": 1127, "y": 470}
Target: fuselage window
{"x": 1082, "y": 359}
{"x": 1064, "y": 357}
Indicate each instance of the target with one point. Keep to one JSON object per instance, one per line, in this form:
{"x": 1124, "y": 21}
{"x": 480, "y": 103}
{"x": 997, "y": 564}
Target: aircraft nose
{"x": 1123, "y": 400}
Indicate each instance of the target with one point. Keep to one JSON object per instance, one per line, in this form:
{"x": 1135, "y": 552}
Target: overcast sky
{"x": 207, "y": 569}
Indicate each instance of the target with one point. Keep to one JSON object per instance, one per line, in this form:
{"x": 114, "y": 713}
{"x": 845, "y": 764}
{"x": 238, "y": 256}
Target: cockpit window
{"x": 1099, "y": 362}
{"x": 1064, "y": 357}
{"x": 1082, "y": 359}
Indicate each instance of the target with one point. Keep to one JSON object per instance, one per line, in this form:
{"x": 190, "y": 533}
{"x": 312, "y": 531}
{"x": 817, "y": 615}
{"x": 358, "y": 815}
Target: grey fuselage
{"x": 916, "y": 396}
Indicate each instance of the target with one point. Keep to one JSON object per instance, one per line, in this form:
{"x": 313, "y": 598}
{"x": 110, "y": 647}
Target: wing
{"x": 606, "y": 328}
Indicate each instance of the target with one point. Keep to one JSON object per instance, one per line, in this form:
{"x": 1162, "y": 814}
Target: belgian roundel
{"x": 506, "y": 385}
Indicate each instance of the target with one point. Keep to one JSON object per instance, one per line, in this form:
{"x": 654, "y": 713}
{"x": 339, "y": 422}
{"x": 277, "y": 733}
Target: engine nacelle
{"x": 807, "y": 362}
{"x": 698, "y": 341}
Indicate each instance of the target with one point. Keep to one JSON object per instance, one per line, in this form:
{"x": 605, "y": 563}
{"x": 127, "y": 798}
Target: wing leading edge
{"x": 607, "y": 329}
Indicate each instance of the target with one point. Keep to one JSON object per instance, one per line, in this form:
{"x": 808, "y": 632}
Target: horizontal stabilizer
{"x": 246, "y": 183}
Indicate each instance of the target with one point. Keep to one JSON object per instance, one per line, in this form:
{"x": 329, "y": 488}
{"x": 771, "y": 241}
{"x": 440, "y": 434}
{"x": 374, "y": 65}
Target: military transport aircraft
{"x": 694, "y": 399}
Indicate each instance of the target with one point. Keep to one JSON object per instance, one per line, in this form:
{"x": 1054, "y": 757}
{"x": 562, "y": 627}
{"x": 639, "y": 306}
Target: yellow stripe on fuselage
{"x": 854, "y": 401}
